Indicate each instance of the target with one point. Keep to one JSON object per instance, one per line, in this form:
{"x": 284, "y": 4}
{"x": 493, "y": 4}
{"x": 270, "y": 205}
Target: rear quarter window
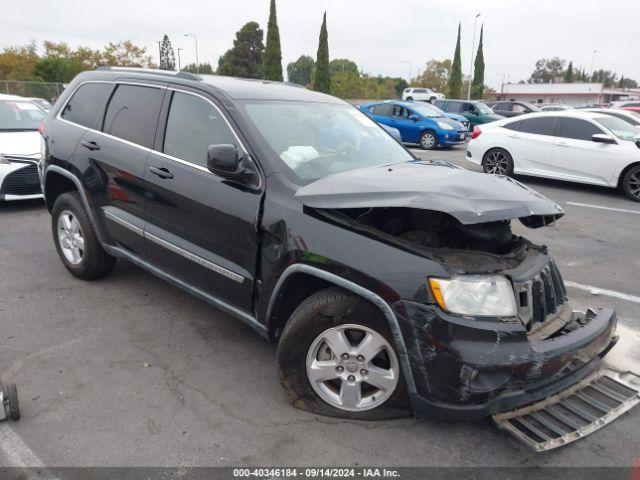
{"x": 538, "y": 125}
{"x": 86, "y": 105}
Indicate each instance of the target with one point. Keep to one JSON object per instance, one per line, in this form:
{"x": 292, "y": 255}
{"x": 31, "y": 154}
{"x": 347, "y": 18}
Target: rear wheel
{"x": 631, "y": 183}
{"x": 432, "y": 99}
{"x": 428, "y": 140}
{"x": 410, "y": 98}
{"x": 498, "y": 162}
{"x": 336, "y": 358}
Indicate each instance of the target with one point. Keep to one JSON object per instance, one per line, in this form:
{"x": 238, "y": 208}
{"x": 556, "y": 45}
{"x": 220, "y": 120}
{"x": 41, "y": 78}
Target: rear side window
{"x": 575, "y": 128}
{"x": 132, "y": 114}
{"x": 86, "y": 105}
{"x": 539, "y": 126}
{"x": 194, "y": 124}
{"x": 513, "y": 125}
{"x": 382, "y": 109}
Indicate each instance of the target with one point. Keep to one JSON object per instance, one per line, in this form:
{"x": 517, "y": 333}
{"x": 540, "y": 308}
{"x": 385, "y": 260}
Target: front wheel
{"x": 631, "y": 183}
{"x": 428, "y": 140}
{"x": 498, "y": 162}
{"x": 336, "y": 358}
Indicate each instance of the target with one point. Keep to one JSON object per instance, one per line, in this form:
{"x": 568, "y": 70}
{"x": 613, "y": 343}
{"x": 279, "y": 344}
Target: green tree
{"x": 301, "y": 70}
{"x": 58, "y": 69}
{"x": 454, "y": 87}
{"x": 18, "y": 63}
{"x": 435, "y": 75}
{"x": 548, "y": 70}
{"x": 477, "y": 86}
{"x": 272, "y": 54}
{"x": 343, "y": 65}
{"x": 321, "y": 74}
{"x": 245, "y": 58}
{"x": 167, "y": 57}
{"x": 205, "y": 68}
{"x": 568, "y": 74}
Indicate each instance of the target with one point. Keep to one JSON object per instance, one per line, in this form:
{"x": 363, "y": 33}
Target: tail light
{"x": 476, "y": 132}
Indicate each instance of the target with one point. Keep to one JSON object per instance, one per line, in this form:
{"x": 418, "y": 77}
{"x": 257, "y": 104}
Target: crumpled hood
{"x": 20, "y": 143}
{"x": 469, "y": 197}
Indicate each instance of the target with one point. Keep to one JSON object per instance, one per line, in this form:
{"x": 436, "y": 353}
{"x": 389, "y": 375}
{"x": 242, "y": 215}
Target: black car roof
{"x": 234, "y": 88}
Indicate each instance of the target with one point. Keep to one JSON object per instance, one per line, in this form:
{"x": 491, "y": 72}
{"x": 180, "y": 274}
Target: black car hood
{"x": 469, "y": 197}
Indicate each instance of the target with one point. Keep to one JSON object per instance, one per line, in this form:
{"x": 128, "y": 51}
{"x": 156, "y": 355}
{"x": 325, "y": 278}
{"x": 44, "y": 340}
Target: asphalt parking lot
{"x": 132, "y": 371}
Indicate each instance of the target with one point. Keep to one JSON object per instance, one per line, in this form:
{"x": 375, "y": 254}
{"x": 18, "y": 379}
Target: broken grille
{"x": 574, "y": 413}
{"x": 541, "y": 297}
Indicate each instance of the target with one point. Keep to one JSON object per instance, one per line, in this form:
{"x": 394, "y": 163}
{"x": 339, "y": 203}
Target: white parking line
{"x": 603, "y": 291}
{"x": 17, "y": 453}
{"x": 624, "y": 210}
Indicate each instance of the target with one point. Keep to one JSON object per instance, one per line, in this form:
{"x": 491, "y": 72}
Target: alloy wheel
{"x": 70, "y": 237}
{"x": 352, "y": 367}
{"x": 634, "y": 184}
{"x": 496, "y": 163}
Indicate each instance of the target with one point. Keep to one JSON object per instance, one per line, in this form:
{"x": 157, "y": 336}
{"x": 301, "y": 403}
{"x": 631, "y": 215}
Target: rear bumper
{"x": 460, "y": 375}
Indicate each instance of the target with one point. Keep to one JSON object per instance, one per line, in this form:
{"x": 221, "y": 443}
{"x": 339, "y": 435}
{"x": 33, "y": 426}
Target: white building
{"x": 567, "y": 93}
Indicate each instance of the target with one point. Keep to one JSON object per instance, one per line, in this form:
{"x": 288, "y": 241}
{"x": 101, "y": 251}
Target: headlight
{"x": 482, "y": 295}
{"x": 3, "y": 160}
{"x": 445, "y": 126}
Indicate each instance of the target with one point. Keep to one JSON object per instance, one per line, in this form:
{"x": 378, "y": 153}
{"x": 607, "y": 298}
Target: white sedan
{"x": 572, "y": 145}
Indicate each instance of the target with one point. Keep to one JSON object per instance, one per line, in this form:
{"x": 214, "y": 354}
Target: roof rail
{"x": 155, "y": 71}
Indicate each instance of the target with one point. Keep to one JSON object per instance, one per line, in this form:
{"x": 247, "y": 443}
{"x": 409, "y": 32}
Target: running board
{"x": 573, "y": 413}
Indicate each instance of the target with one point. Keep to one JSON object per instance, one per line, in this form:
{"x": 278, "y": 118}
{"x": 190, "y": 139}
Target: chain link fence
{"x": 47, "y": 90}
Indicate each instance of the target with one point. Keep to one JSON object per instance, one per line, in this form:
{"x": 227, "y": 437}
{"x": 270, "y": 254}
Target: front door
{"x": 200, "y": 227}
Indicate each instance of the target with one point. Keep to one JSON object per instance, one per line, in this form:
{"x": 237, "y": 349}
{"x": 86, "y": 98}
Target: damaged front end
{"x": 497, "y": 332}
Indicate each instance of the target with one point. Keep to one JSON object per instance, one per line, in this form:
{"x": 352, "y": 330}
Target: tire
{"x": 333, "y": 310}
{"x": 12, "y": 397}
{"x": 498, "y": 161}
{"x": 631, "y": 183}
{"x": 432, "y": 100}
{"x": 409, "y": 99}
{"x": 428, "y": 140}
{"x": 82, "y": 254}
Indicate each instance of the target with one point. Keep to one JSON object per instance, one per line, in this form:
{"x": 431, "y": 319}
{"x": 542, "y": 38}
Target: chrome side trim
{"x": 216, "y": 302}
{"x": 195, "y": 258}
{"x": 124, "y": 223}
{"x": 384, "y": 307}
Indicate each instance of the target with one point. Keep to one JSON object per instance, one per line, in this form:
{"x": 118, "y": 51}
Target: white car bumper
{"x": 19, "y": 181}
{"x": 474, "y": 152}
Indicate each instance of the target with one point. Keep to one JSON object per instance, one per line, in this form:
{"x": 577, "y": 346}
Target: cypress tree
{"x": 322, "y": 75}
{"x": 568, "y": 75}
{"x": 272, "y": 54}
{"x": 167, "y": 58}
{"x": 477, "y": 87}
{"x": 455, "y": 80}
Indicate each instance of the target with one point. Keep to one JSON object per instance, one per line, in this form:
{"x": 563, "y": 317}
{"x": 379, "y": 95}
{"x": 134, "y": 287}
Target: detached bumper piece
{"x": 573, "y": 413}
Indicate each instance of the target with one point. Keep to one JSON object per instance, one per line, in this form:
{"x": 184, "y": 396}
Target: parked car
{"x": 42, "y": 103}
{"x": 620, "y": 113}
{"x": 477, "y": 113}
{"x": 384, "y": 279}
{"x": 453, "y": 116}
{"x": 513, "y": 109}
{"x": 417, "y": 123}
{"x": 421, "y": 94}
{"x": 575, "y": 145}
{"x": 555, "y": 107}
{"x": 20, "y": 147}
{"x": 624, "y": 103}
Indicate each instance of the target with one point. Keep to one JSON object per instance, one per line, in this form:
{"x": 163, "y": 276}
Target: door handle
{"x": 514, "y": 136}
{"x": 91, "y": 145}
{"x": 161, "y": 172}
{"x": 562, "y": 144}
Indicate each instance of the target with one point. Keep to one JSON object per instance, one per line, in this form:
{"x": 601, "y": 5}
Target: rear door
{"x": 532, "y": 145}
{"x": 577, "y": 157}
{"x": 200, "y": 227}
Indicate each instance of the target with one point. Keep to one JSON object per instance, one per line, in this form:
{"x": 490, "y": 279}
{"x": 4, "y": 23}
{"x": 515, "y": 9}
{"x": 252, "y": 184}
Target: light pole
{"x": 593, "y": 57}
{"x": 410, "y": 69}
{"x": 196, "y": 40}
{"x": 473, "y": 44}
{"x": 179, "y": 69}
{"x": 159, "y": 53}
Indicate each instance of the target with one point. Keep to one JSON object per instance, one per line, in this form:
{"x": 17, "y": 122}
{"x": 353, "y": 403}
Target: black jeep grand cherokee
{"x": 389, "y": 283}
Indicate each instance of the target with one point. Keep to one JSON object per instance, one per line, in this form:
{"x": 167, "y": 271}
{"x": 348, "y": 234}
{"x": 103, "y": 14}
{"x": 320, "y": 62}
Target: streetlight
{"x": 473, "y": 44}
{"x": 593, "y": 57}
{"x": 196, "y": 40}
{"x": 179, "y": 69}
{"x": 410, "y": 69}
{"x": 159, "y": 52}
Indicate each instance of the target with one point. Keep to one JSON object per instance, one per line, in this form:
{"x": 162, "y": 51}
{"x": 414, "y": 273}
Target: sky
{"x": 381, "y": 36}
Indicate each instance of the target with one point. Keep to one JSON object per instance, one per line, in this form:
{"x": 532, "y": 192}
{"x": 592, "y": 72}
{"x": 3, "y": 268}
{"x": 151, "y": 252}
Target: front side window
{"x": 620, "y": 128}
{"x": 86, "y": 105}
{"x": 519, "y": 108}
{"x": 194, "y": 124}
{"x": 575, "y": 128}
{"x": 538, "y": 125}
{"x": 132, "y": 114}
{"x": 17, "y": 115}
{"x": 313, "y": 140}
{"x": 454, "y": 107}
{"x": 400, "y": 111}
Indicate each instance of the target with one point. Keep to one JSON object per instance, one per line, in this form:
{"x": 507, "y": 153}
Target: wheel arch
{"x": 624, "y": 171}
{"x": 320, "y": 279}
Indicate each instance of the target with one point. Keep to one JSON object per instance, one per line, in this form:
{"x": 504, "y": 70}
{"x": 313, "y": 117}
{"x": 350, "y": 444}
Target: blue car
{"x": 417, "y": 123}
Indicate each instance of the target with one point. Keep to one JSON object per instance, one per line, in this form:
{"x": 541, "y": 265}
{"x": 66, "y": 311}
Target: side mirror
{"x": 224, "y": 161}
{"x": 602, "y": 138}
{"x": 414, "y": 117}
